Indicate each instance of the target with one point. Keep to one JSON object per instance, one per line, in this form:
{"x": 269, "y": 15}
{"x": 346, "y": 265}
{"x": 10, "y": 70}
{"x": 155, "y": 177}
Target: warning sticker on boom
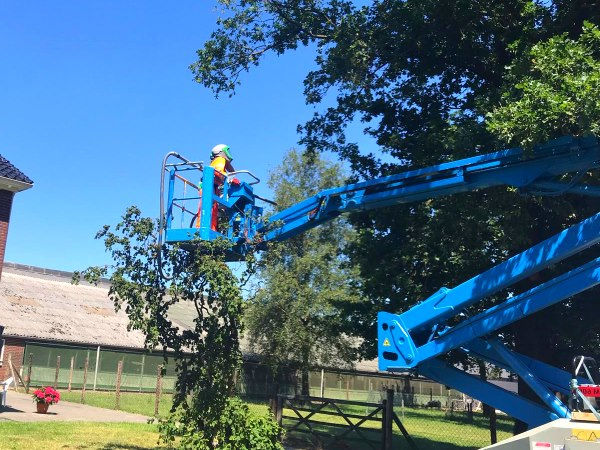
{"x": 386, "y": 342}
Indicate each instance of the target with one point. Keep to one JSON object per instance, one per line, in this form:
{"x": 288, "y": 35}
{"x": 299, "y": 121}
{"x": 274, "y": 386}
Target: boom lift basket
{"x": 195, "y": 193}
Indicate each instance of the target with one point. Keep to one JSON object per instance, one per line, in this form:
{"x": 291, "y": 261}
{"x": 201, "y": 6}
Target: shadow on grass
{"x": 117, "y": 446}
{"x": 296, "y": 440}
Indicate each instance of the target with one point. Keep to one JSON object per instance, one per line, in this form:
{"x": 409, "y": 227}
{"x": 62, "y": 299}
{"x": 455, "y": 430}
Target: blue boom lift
{"x": 416, "y": 339}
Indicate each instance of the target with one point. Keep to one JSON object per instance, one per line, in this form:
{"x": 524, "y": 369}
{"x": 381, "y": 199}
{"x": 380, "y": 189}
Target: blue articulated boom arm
{"x": 508, "y": 167}
{"x": 417, "y": 338}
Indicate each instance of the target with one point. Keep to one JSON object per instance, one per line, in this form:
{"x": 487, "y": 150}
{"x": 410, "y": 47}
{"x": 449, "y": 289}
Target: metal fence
{"x": 308, "y": 423}
{"x": 139, "y": 369}
{"x": 255, "y": 380}
{"x": 436, "y": 417}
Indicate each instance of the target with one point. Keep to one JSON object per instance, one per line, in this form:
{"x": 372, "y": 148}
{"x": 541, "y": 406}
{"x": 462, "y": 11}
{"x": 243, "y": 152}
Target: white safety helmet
{"x": 221, "y": 150}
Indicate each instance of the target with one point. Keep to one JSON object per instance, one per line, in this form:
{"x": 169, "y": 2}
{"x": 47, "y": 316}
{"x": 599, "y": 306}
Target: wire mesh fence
{"x": 138, "y": 374}
{"x": 435, "y": 416}
{"x": 428, "y": 427}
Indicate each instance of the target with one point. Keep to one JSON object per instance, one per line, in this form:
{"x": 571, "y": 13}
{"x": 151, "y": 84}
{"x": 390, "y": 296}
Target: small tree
{"x": 147, "y": 280}
{"x": 294, "y": 318}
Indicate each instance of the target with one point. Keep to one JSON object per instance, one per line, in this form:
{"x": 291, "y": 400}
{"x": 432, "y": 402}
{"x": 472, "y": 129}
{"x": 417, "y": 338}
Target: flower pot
{"x": 42, "y": 408}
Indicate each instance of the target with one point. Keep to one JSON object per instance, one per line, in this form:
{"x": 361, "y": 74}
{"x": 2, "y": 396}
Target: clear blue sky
{"x": 94, "y": 93}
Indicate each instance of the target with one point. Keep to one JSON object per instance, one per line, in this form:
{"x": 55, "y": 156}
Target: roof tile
{"x": 7, "y": 170}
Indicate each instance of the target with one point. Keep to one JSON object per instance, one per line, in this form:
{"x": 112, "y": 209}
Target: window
{"x": 1, "y": 352}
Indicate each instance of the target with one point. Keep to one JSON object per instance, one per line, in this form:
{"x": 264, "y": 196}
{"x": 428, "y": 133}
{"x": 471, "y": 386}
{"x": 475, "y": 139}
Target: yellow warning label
{"x": 586, "y": 435}
{"x": 386, "y": 342}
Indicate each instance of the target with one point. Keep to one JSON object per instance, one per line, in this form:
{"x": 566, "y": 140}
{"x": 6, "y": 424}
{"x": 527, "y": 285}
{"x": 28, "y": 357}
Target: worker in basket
{"x": 220, "y": 161}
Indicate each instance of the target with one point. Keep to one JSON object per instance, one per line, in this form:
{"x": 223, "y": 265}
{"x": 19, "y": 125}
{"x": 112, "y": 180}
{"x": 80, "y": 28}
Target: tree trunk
{"x": 305, "y": 382}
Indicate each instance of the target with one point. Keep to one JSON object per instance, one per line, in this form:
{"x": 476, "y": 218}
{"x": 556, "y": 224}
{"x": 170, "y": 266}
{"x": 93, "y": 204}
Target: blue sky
{"x": 93, "y": 95}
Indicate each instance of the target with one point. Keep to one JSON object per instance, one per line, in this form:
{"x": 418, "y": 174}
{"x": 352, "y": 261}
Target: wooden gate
{"x": 327, "y": 433}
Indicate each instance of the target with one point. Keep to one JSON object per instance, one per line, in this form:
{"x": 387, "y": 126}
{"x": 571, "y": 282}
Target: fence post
{"x": 402, "y": 405}
{"x": 388, "y": 418}
{"x": 118, "y": 387}
{"x": 96, "y": 367}
{"x": 279, "y": 415}
{"x": 85, "y": 371}
{"x": 158, "y": 388}
{"x": 142, "y": 371}
{"x": 57, "y": 371}
{"x": 322, "y": 383}
{"x": 383, "y": 422}
{"x": 29, "y": 364}
{"x": 493, "y": 436}
{"x": 71, "y": 372}
{"x": 14, "y": 375}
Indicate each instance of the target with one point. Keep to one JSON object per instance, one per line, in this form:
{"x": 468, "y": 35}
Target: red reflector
{"x": 542, "y": 444}
{"x": 590, "y": 390}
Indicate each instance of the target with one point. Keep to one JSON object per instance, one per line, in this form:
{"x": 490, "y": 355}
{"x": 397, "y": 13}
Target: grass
{"x": 79, "y": 435}
{"x": 132, "y": 402}
{"x": 137, "y": 403}
{"x": 430, "y": 428}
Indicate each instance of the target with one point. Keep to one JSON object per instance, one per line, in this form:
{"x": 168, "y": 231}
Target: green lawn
{"x": 130, "y": 401}
{"x": 79, "y": 435}
{"x": 430, "y": 428}
{"x": 134, "y": 402}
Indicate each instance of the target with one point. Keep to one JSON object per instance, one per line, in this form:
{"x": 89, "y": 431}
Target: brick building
{"x": 12, "y": 180}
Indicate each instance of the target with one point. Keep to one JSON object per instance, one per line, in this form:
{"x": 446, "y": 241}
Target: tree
{"x": 146, "y": 281}
{"x": 422, "y": 76}
{"x": 294, "y": 318}
{"x": 554, "y": 91}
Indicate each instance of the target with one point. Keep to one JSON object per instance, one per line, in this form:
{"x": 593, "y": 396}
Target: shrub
{"x": 236, "y": 429}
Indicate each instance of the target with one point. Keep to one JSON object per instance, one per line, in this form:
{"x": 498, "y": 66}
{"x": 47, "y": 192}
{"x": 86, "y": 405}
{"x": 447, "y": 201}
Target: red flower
{"x": 47, "y": 395}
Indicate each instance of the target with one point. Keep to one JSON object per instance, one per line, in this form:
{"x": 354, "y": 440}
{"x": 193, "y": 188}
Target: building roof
{"x": 43, "y": 304}
{"x": 7, "y": 170}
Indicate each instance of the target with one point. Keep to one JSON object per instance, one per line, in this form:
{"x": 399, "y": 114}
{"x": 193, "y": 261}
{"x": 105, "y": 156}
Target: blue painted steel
{"x": 557, "y": 380}
{"x": 553, "y": 187}
{"x": 500, "y": 168}
{"x": 525, "y": 374}
{"x": 449, "y": 302}
{"x": 515, "y": 406}
{"x": 237, "y": 208}
{"x": 188, "y": 234}
{"x": 169, "y": 218}
{"x": 208, "y": 177}
{"x": 392, "y": 331}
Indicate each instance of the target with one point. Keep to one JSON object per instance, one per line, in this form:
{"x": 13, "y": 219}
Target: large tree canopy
{"x": 423, "y": 76}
